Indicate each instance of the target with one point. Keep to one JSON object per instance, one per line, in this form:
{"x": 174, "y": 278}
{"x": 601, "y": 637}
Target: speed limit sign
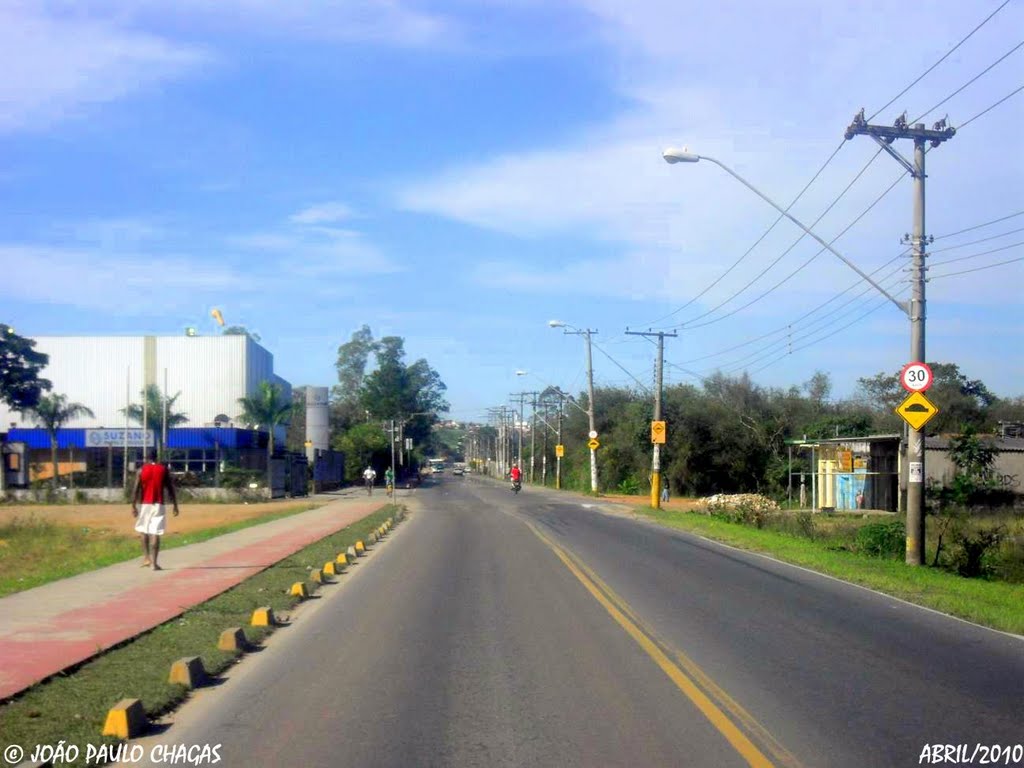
{"x": 916, "y": 377}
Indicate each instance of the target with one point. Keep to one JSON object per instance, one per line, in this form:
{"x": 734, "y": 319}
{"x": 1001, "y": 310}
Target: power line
{"x": 856, "y": 320}
{"x": 976, "y": 269}
{"x": 802, "y": 334}
{"x": 976, "y": 255}
{"x": 933, "y": 251}
{"x": 971, "y": 81}
{"x": 989, "y": 109}
{"x": 757, "y": 242}
{"x": 621, "y": 368}
{"x": 810, "y": 329}
{"x": 945, "y": 56}
{"x": 806, "y": 263}
{"x": 977, "y": 226}
{"x": 788, "y": 250}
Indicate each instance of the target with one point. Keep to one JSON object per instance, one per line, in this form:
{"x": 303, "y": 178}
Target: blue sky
{"x": 459, "y": 173}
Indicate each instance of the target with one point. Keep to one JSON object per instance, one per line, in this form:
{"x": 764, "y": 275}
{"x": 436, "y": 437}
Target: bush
{"x": 971, "y": 547}
{"x": 630, "y": 486}
{"x": 240, "y": 478}
{"x": 883, "y": 539}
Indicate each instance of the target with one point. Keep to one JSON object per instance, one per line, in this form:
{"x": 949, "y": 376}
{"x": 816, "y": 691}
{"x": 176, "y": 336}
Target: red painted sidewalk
{"x": 55, "y": 626}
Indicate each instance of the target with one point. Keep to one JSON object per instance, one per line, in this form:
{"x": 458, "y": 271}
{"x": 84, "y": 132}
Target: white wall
{"x": 210, "y": 372}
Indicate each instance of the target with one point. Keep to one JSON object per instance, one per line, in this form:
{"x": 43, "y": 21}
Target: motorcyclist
{"x": 516, "y": 474}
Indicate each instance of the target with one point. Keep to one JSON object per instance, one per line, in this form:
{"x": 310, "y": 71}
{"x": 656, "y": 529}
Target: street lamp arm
{"x": 903, "y": 307}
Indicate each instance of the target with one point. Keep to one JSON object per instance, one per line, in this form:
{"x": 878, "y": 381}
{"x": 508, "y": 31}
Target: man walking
{"x": 148, "y": 506}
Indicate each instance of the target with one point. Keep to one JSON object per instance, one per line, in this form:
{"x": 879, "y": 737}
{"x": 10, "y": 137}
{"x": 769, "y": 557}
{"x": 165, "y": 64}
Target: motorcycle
{"x": 517, "y": 486}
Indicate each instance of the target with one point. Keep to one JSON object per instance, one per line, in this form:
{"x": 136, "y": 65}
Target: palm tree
{"x": 154, "y": 412}
{"x": 53, "y": 412}
{"x": 266, "y": 408}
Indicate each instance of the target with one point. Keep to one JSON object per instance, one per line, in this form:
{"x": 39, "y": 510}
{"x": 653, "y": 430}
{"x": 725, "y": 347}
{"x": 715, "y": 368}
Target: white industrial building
{"x": 105, "y": 373}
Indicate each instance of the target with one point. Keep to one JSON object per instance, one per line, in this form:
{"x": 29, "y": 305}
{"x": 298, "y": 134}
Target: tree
{"x": 295, "y": 440}
{"x": 363, "y": 444}
{"x": 267, "y": 408}
{"x": 20, "y": 385}
{"x": 52, "y": 412}
{"x": 153, "y": 412}
{"x": 396, "y": 390}
{"x": 240, "y": 330}
{"x": 353, "y": 357}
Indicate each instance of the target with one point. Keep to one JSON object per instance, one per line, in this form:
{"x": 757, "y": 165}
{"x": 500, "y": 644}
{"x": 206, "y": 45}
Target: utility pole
{"x": 522, "y": 424}
{"x": 587, "y": 333}
{"x": 884, "y": 136}
{"x": 533, "y": 433}
{"x": 659, "y": 371}
{"x": 558, "y": 458}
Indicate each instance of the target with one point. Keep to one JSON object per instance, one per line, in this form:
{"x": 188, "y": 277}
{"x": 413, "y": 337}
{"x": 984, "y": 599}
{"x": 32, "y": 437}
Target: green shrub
{"x": 882, "y": 539}
{"x": 630, "y": 486}
{"x": 971, "y": 547}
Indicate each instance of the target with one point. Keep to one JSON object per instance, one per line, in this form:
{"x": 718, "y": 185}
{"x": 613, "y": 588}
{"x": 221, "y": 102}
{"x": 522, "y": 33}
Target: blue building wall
{"x": 182, "y": 438}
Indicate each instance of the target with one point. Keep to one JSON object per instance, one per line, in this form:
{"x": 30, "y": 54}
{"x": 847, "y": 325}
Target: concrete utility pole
{"x": 522, "y": 423}
{"x": 587, "y": 333}
{"x": 884, "y": 136}
{"x": 659, "y": 372}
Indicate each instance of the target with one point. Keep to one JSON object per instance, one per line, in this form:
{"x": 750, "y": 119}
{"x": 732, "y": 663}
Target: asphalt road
{"x": 501, "y": 630}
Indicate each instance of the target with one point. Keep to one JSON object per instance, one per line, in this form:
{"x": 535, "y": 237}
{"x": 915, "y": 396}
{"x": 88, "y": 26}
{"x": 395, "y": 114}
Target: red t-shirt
{"x": 152, "y": 478}
{"x": 516, "y": 473}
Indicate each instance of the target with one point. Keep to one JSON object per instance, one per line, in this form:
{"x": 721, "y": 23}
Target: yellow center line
{"x": 628, "y": 621}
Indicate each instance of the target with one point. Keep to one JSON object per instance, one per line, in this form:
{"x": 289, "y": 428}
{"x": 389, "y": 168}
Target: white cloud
{"x": 312, "y": 249}
{"x": 386, "y": 22}
{"x": 122, "y": 283}
{"x": 55, "y": 67}
{"x": 323, "y": 213}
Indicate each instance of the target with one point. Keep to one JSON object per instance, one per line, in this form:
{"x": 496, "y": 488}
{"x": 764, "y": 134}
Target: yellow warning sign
{"x": 917, "y": 410}
{"x": 658, "y": 432}
{"x": 593, "y": 444}
{"x": 559, "y": 450}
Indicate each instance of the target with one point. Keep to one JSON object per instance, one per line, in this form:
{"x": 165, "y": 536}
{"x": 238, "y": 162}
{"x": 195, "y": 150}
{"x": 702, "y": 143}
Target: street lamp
{"x": 915, "y": 442}
{"x": 590, "y": 393}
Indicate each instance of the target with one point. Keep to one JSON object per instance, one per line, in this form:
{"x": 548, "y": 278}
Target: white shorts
{"x": 151, "y": 519}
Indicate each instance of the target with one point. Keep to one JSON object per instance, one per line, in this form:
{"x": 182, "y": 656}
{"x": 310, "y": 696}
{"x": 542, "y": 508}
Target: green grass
{"x": 995, "y": 604}
{"x": 35, "y": 552}
{"x": 73, "y": 706}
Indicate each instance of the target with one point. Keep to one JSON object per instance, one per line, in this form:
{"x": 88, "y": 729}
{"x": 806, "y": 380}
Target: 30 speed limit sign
{"x": 916, "y": 377}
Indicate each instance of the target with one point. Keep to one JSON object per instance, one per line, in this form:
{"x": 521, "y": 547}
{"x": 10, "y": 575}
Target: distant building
{"x": 106, "y": 372}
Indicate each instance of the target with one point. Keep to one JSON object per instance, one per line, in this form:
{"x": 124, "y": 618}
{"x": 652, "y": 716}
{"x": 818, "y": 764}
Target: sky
{"x": 460, "y": 173}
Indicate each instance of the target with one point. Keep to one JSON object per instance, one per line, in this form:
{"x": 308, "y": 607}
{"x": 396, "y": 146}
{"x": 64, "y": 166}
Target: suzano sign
{"x": 115, "y": 438}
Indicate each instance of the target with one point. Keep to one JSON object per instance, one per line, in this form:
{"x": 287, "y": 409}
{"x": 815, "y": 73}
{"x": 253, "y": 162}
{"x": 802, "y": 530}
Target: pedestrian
{"x": 148, "y": 506}
{"x": 369, "y": 476}
{"x": 664, "y": 489}
{"x": 389, "y": 480}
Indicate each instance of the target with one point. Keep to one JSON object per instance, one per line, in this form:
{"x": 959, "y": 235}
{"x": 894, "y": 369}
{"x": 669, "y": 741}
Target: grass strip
{"x": 35, "y": 552}
{"x": 992, "y": 603}
{"x": 73, "y": 705}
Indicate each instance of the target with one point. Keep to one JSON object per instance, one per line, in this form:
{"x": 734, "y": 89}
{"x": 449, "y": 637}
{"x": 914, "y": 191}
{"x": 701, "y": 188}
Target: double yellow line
{"x": 689, "y": 678}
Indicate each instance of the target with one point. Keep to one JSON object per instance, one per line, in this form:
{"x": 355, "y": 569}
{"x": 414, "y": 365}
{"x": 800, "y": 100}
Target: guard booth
{"x": 845, "y": 474}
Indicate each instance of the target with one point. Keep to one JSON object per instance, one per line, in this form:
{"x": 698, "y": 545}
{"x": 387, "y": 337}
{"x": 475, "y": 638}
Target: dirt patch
{"x": 118, "y": 517}
{"x": 680, "y": 505}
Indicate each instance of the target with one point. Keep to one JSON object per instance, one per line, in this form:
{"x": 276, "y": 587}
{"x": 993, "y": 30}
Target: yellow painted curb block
{"x": 318, "y": 576}
{"x": 382, "y": 531}
{"x": 360, "y": 549}
{"x": 299, "y": 590}
{"x": 329, "y": 568}
{"x": 263, "y": 617}
{"x": 232, "y": 639}
{"x": 126, "y": 720}
{"x": 352, "y": 554}
{"x": 188, "y": 671}
{"x": 341, "y": 559}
